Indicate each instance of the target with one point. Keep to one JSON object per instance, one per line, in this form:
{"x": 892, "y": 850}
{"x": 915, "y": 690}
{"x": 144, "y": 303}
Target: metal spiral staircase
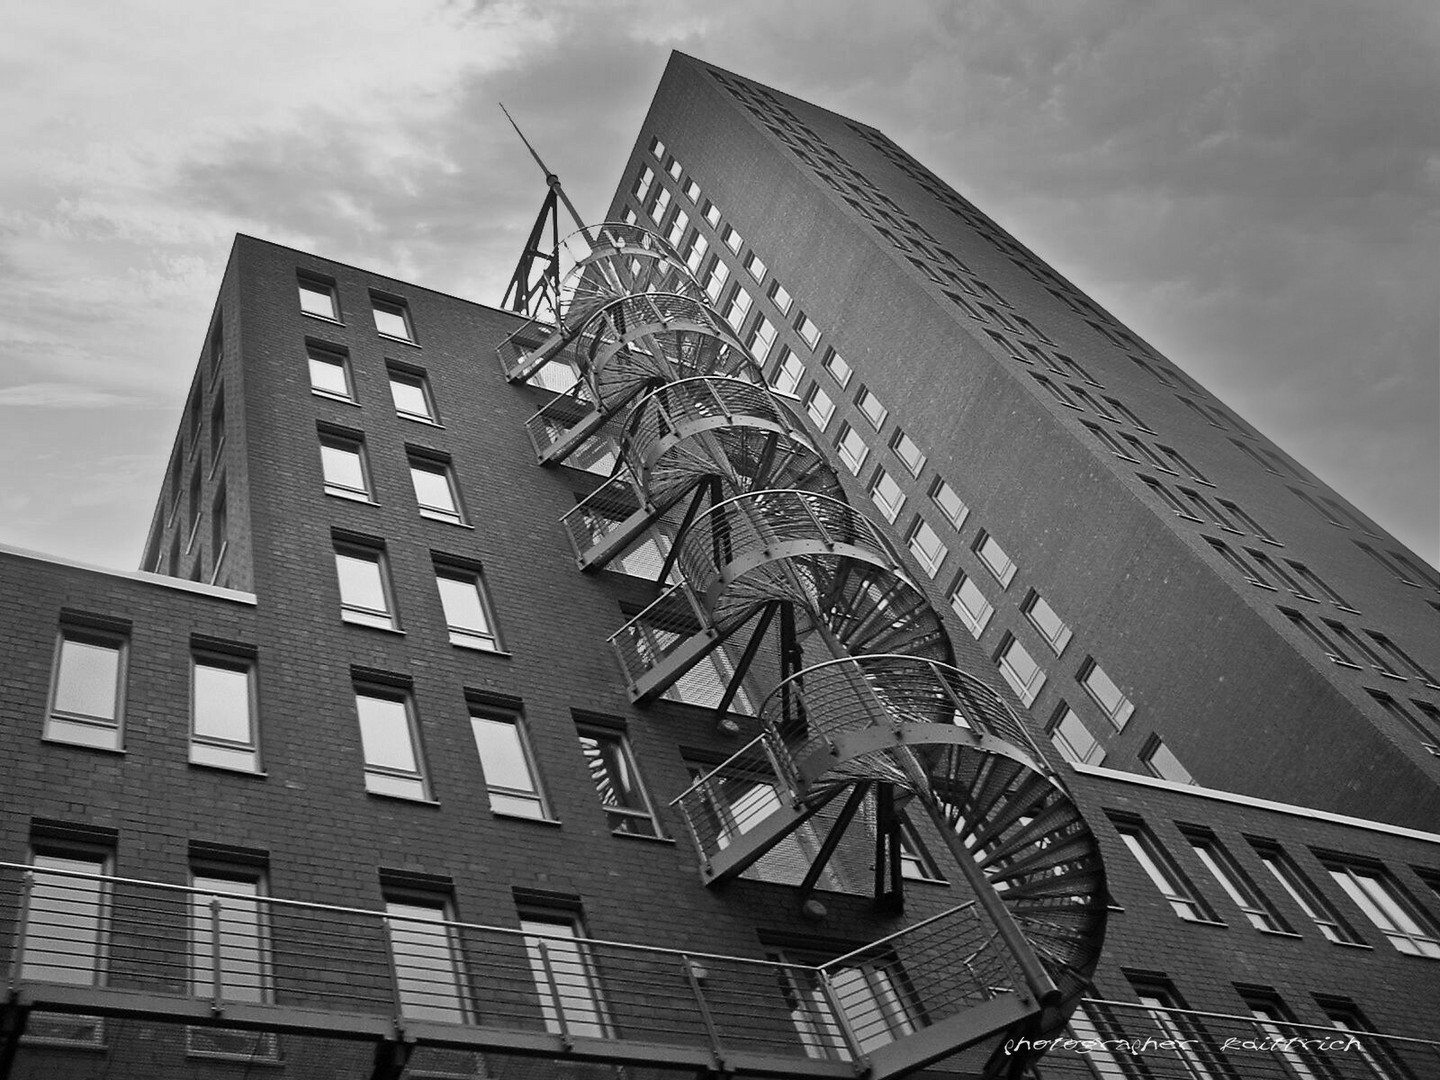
{"x": 869, "y": 719}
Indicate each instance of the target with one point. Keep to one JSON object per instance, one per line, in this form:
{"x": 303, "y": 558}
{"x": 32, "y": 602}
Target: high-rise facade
{"x": 791, "y": 658}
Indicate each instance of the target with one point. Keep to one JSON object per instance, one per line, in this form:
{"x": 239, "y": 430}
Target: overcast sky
{"x": 1252, "y": 186}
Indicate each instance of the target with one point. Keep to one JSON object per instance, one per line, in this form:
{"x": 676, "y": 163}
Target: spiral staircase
{"x": 869, "y": 719}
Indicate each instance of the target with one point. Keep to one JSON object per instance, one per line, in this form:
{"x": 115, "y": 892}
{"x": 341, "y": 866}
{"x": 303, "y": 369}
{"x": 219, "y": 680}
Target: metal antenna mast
{"x": 550, "y": 178}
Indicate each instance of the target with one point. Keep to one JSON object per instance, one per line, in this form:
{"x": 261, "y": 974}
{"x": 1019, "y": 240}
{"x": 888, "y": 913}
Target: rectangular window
{"x": 712, "y": 214}
{"x": 756, "y": 266}
{"x": 762, "y": 339}
{"x": 428, "y": 978}
{"x": 1356, "y": 647}
{"x": 1233, "y": 879}
{"x": 872, "y": 990}
{"x": 1184, "y": 899}
{"x": 1203, "y": 510}
{"x": 886, "y": 494}
{"x": 715, "y": 279}
{"x": 87, "y": 698}
{"x": 317, "y": 297}
{"x": 1055, "y": 391}
{"x": 949, "y": 502}
{"x": 675, "y": 169}
{"x": 1378, "y": 1060}
{"x": 1129, "y": 414}
{"x": 1089, "y": 401}
{"x": 1139, "y": 451}
{"x": 1402, "y": 659}
{"x": 788, "y": 373}
{"x": 1313, "y": 633}
{"x": 870, "y": 406}
{"x": 808, "y": 331}
{"x": 780, "y": 298}
{"x": 1166, "y": 496}
{"x": 1303, "y": 892}
{"x": 435, "y": 490}
{"x": 695, "y": 251}
{"x": 819, "y": 407}
{"x": 507, "y": 764}
{"x": 1249, "y": 522}
{"x": 1042, "y": 616}
{"x": 1020, "y": 669}
{"x": 643, "y": 181}
{"x": 468, "y": 615}
{"x": 731, "y": 239}
{"x": 195, "y": 507}
{"x": 1385, "y": 903}
{"x": 839, "y": 370}
{"x": 219, "y": 532}
{"x": 852, "y": 448}
{"x": 1073, "y": 739}
{"x": 564, "y": 972}
{"x": 343, "y": 465}
{"x": 1428, "y": 738}
{"x": 329, "y": 372}
{"x": 1191, "y": 1045}
{"x": 65, "y": 937}
{"x": 692, "y": 191}
{"x": 661, "y": 204}
{"x": 994, "y": 558}
{"x": 1104, "y": 692}
{"x": 657, "y": 148}
{"x": 222, "y": 713}
{"x": 906, "y": 450}
{"x": 676, "y": 232}
{"x": 970, "y": 605}
{"x": 217, "y": 428}
{"x": 617, "y": 781}
{"x": 228, "y": 924}
{"x": 926, "y": 546}
{"x": 365, "y": 597}
{"x": 737, "y": 309}
{"x": 410, "y": 390}
{"x": 392, "y": 318}
{"x": 1181, "y": 464}
{"x": 390, "y": 743}
{"x": 1109, "y": 441}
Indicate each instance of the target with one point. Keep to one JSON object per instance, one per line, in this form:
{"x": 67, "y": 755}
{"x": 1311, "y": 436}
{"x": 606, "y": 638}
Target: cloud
{"x": 61, "y": 396}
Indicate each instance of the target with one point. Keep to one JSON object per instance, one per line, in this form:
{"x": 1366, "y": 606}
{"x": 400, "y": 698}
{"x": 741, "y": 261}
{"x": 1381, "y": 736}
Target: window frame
{"x": 909, "y": 452}
{"x": 78, "y": 728}
{"x": 1066, "y": 744}
{"x": 975, "y": 623}
{"x": 486, "y": 639}
{"x": 418, "y": 460}
{"x": 887, "y": 495}
{"x": 393, "y": 308}
{"x": 98, "y": 861}
{"x": 215, "y": 751}
{"x": 1163, "y": 872}
{"x": 1003, "y": 572}
{"x": 534, "y": 795}
{"x": 1118, "y": 714}
{"x": 316, "y": 286}
{"x": 345, "y": 442}
{"x": 851, "y": 460}
{"x": 876, "y": 416}
{"x": 259, "y": 1046}
{"x": 1027, "y": 688}
{"x": 1235, "y": 882}
{"x": 592, "y": 1015}
{"x": 930, "y": 558}
{"x": 957, "y": 517}
{"x": 1162, "y": 763}
{"x": 335, "y": 357}
{"x": 1057, "y": 637}
{"x": 393, "y": 781}
{"x": 419, "y": 380}
{"x": 357, "y": 614}
{"x": 401, "y": 905}
{"x": 641, "y": 821}
{"x": 1387, "y": 899}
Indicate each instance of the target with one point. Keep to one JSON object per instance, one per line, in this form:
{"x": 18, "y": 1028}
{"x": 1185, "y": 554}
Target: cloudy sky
{"x": 1251, "y": 185}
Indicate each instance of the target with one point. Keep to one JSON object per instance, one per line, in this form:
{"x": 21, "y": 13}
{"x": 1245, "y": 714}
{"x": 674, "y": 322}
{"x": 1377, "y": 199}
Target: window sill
{"x": 351, "y": 497}
{"x": 322, "y": 318}
{"x": 411, "y": 799}
{"x": 55, "y": 740}
{"x": 414, "y": 419}
{"x": 552, "y": 823}
{"x": 232, "y": 770}
{"x": 399, "y": 340}
{"x": 470, "y": 647}
{"x": 1206, "y": 922}
{"x": 1279, "y": 933}
{"x": 641, "y": 836}
{"x": 1344, "y": 663}
{"x": 430, "y": 515}
{"x": 941, "y": 882}
{"x": 341, "y": 398}
{"x": 1354, "y": 945}
{"x": 1390, "y": 675}
{"x": 371, "y": 626}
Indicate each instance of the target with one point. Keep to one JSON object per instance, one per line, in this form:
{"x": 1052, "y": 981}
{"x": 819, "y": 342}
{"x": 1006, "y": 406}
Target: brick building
{"x": 787, "y": 718}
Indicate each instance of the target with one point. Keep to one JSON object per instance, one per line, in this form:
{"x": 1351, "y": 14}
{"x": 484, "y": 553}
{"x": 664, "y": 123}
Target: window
{"x": 1109, "y": 441}
{"x": 466, "y": 607}
{"x": 994, "y": 558}
{"x": 1020, "y": 670}
{"x": 217, "y": 427}
{"x": 808, "y": 331}
{"x": 926, "y": 546}
{"x": 228, "y": 923}
{"x": 970, "y": 604}
{"x": 780, "y": 298}
{"x": 852, "y": 448}
{"x": 1382, "y": 900}
{"x": 1104, "y": 692}
{"x": 342, "y": 463}
{"x": 737, "y": 309}
{"x": 563, "y": 968}
{"x": 219, "y": 532}
{"x": 1181, "y": 464}
{"x": 661, "y": 204}
{"x": 731, "y": 239}
{"x": 906, "y": 450}
{"x": 435, "y": 488}
{"x": 657, "y": 148}
{"x": 692, "y": 191}
{"x": 193, "y": 527}
{"x": 1174, "y": 886}
{"x": 617, "y": 782}
{"x": 317, "y": 297}
{"x": 762, "y": 339}
{"x": 695, "y": 251}
{"x": 506, "y": 762}
{"x": 87, "y": 698}
{"x": 1193, "y": 1047}
{"x": 1073, "y": 739}
{"x": 755, "y": 266}
{"x": 217, "y": 345}
{"x": 1142, "y": 452}
{"x": 1250, "y": 523}
{"x": 1378, "y": 1059}
{"x": 886, "y": 494}
{"x": 410, "y": 390}
{"x": 64, "y": 938}
{"x": 1317, "y": 637}
{"x": 915, "y": 861}
{"x": 329, "y": 373}
{"x": 392, "y": 318}
{"x": 390, "y": 742}
{"x": 1402, "y": 658}
{"x": 1302, "y": 890}
{"x": 427, "y": 971}
{"x": 712, "y": 214}
{"x": 871, "y": 989}
{"x": 1159, "y": 760}
{"x": 1129, "y": 414}
{"x": 819, "y": 407}
{"x": 950, "y": 503}
{"x": 1055, "y": 391}
{"x": 677, "y": 229}
{"x": 1315, "y": 585}
{"x": 839, "y": 370}
{"x": 1202, "y": 510}
{"x": 643, "y": 181}
{"x": 788, "y": 373}
{"x": 1235, "y": 881}
{"x": 1166, "y": 496}
{"x": 1042, "y": 616}
{"x": 364, "y": 586}
{"x": 1089, "y": 401}
{"x": 1091, "y": 1025}
{"x": 222, "y": 713}
{"x": 1428, "y": 738}
{"x": 715, "y": 279}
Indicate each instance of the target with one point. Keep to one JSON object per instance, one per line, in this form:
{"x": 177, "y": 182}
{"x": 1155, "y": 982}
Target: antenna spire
{"x": 552, "y": 179}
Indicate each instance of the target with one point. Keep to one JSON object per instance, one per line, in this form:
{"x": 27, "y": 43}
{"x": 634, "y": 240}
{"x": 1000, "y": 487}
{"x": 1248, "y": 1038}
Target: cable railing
{"x": 250, "y": 958}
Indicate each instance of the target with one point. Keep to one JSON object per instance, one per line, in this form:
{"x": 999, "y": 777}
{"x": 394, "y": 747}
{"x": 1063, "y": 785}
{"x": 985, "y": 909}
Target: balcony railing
{"x": 111, "y": 946}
